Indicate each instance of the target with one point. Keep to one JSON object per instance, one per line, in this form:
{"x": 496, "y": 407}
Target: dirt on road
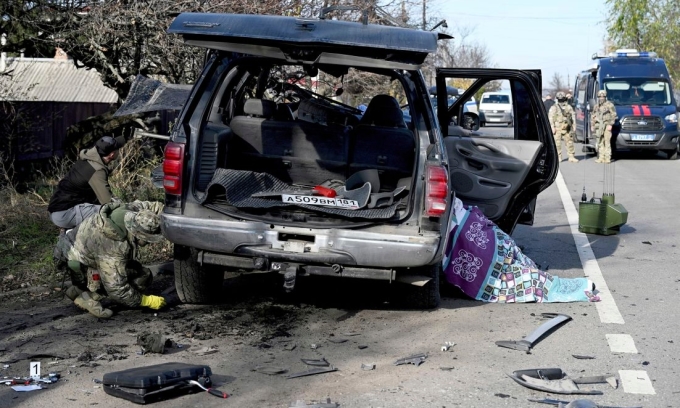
{"x": 257, "y": 330}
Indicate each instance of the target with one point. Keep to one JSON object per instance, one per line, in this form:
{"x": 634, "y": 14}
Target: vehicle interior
{"x": 302, "y": 127}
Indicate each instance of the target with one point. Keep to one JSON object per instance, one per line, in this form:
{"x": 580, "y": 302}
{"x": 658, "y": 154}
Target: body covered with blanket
{"x": 486, "y": 264}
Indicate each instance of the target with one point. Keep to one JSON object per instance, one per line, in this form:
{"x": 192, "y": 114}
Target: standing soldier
{"x": 603, "y": 118}
{"x": 562, "y": 120}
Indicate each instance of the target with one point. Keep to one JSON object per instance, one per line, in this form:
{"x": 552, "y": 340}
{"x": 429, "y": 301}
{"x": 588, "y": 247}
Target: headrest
{"x": 383, "y": 110}
{"x": 259, "y": 108}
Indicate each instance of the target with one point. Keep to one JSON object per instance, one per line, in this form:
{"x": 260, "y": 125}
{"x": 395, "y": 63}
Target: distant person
{"x": 562, "y": 119}
{"x": 570, "y": 98}
{"x": 548, "y": 103}
{"x": 603, "y": 119}
{"x": 85, "y": 188}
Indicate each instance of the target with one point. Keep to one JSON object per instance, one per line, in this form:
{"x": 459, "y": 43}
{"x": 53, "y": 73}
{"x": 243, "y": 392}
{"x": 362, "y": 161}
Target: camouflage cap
{"x": 145, "y": 225}
{"x": 560, "y": 95}
{"x": 601, "y": 92}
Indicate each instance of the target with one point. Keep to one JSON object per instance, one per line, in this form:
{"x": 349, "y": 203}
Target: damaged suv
{"x": 273, "y": 167}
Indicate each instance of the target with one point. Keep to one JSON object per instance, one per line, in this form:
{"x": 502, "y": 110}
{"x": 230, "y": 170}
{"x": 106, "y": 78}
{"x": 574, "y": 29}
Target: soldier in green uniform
{"x": 603, "y": 118}
{"x": 562, "y": 119}
{"x": 102, "y": 257}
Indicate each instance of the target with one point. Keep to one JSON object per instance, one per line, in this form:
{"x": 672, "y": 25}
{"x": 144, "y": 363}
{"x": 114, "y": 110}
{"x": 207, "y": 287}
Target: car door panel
{"x": 486, "y": 172}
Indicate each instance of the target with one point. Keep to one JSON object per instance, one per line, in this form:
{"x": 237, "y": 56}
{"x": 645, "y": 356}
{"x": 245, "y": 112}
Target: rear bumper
{"x": 655, "y": 140}
{"x": 302, "y": 245}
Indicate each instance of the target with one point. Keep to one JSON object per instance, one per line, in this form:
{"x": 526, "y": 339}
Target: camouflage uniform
{"x": 602, "y": 119}
{"x": 106, "y": 245}
{"x": 562, "y": 119}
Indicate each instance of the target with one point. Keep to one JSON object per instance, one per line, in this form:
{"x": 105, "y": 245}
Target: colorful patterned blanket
{"x": 486, "y": 264}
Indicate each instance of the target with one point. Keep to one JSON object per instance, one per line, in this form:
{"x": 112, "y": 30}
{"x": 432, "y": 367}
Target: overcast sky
{"x": 553, "y": 36}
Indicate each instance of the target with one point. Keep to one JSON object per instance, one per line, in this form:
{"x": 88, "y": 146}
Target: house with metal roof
{"x": 50, "y": 94}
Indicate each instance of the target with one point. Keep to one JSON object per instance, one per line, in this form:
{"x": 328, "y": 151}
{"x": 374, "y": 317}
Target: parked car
{"x": 496, "y": 107}
{"x": 266, "y": 174}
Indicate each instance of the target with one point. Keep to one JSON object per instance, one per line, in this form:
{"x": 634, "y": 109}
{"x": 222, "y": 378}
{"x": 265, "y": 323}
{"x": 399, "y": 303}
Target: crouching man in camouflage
{"x": 102, "y": 257}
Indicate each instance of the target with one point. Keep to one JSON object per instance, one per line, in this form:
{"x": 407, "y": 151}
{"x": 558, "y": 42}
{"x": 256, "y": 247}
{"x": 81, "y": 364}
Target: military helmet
{"x": 560, "y": 96}
{"x": 601, "y": 92}
{"x": 145, "y": 225}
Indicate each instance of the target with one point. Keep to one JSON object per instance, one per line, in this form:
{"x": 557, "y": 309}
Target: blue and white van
{"x": 639, "y": 86}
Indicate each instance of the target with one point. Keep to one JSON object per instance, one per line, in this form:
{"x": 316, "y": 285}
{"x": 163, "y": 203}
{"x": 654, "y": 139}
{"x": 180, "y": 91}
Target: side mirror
{"x": 470, "y": 121}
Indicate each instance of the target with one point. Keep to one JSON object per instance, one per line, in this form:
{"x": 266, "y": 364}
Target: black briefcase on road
{"x": 143, "y": 385}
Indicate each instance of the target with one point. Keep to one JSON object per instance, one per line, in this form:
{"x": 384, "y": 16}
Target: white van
{"x": 496, "y": 107}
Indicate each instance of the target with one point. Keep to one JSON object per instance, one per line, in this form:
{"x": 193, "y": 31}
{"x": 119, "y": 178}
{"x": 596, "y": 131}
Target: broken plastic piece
{"x": 368, "y": 367}
{"x": 416, "y": 359}
{"x": 270, "y": 370}
{"x": 532, "y": 339}
{"x": 580, "y": 357}
{"x": 327, "y": 404}
{"x": 552, "y": 380}
{"x": 447, "y": 345}
{"x": 313, "y": 371}
{"x": 316, "y": 363}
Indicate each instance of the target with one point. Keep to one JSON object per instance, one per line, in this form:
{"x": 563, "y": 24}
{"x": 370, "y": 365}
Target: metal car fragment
{"x": 270, "y": 370}
{"x": 317, "y": 363}
{"x": 527, "y": 343}
{"x": 556, "y": 381}
{"x": 416, "y": 359}
{"x": 313, "y": 371}
{"x": 579, "y": 403}
{"x": 327, "y": 404}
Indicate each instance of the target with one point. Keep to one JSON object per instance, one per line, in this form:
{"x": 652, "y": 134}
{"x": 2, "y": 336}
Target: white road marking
{"x": 636, "y": 382}
{"x": 606, "y": 307}
{"x": 621, "y": 343}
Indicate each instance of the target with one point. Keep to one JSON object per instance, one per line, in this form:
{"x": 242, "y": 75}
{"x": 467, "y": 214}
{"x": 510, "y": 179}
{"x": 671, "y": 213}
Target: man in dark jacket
{"x": 548, "y": 103}
{"x": 85, "y": 188}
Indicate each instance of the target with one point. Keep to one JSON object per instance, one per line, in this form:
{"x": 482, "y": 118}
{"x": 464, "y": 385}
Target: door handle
{"x": 487, "y": 145}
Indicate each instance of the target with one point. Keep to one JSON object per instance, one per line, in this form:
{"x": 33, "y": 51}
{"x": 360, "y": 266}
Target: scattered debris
{"x": 350, "y": 334}
{"x": 579, "y": 403}
{"x": 336, "y": 340}
{"x": 290, "y": 347}
{"x": 527, "y": 343}
{"x": 556, "y": 381}
{"x": 270, "y": 370}
{"x": 204, "y": 351}
{"x": 314, "y": 346}
{"x": 5, "y": 366}
{"x": 151, "y": 342}
{"x": 446, "y": 368}
{"x": 97, "y": 381}
{"x": 327, "y": 404}
{"x": 362, "y": 346}
{"x": 368, "y": 367}
{"x": 580, "y": 357}
{"x": 313, "y": 371}
{"x": 416, "y": 359}
{"x": 646, "y": 242}
{"x": 316, "y": 363}
{"x": 499, "y": 395}
{"x": 645, "y": 363}
{"x": 26, "y": 388}
{"x": 448, "y": 345}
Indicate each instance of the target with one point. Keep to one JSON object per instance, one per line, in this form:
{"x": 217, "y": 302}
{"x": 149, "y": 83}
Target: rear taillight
{"x": 173, "y": 168}
{"x": 436, "y": 190}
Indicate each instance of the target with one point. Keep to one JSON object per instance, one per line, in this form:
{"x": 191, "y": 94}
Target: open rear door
{"x": 505, "y": 164}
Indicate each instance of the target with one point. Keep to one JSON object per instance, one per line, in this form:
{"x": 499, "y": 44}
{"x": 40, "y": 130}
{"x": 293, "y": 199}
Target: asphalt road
{"x": 632, "y": 333}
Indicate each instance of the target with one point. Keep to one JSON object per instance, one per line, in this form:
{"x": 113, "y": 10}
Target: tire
{"x": 510, "y": 124}
{"x": 195, "y": 283}
{"x": 482, "y": 124}
{"x": 421, "y": 297}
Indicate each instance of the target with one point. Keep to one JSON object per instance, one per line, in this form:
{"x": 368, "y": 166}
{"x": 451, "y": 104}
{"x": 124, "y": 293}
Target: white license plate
{"x": 324, "y": 201}
{"x": 641, "y": 137}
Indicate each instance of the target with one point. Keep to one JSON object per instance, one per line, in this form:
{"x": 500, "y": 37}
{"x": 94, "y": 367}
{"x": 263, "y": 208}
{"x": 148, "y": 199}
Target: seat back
{"x": 382, "y": 141}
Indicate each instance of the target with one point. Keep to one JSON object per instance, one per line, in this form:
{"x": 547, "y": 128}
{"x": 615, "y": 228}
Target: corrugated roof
{"x": 54, "y": 80}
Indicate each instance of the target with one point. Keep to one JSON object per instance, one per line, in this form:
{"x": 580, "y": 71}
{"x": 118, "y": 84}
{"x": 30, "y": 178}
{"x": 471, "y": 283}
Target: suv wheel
{"x": 195, "y": 283}
{"x": 671, "y": 154}
{"x": 421, "y": 297}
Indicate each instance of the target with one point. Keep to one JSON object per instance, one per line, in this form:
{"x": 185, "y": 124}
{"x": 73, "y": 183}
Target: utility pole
{"x": 424, "y": 15}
